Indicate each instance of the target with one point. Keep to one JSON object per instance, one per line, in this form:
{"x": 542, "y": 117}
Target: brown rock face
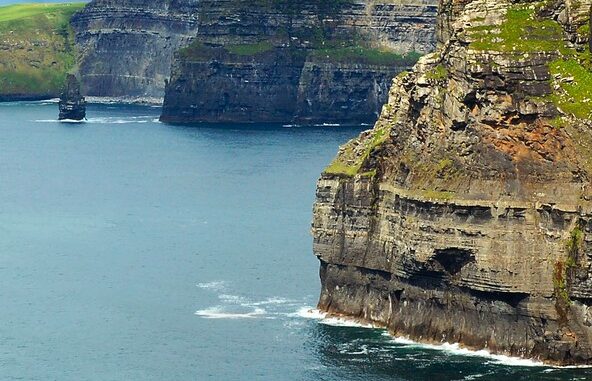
{"x": 465, "y": 214}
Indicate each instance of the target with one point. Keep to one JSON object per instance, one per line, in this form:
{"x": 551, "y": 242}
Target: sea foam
{"x": 219, "y": 313}
{"x": 323, "y": 318}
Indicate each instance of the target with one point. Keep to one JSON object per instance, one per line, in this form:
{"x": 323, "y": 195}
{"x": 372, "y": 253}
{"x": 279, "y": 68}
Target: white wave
{"x": 234, "y": 299}
{"x": 119, "y": 120}
{"x": 328, "y": 125}
{"x": 216, "y": 285}
{"x": 60, "y": 121}
{"x": 363, "y": 351}
{"x": 324, "y": 318}
{"x": 150, "y": 101}
{"x": 344, "y": 322}
{"x": 309, "y": 313}
{"x": 220, "y": 313}
{"x": 456, "y": 349}
{"x": 274, "y": 300}
{"x": 474, "y": 376}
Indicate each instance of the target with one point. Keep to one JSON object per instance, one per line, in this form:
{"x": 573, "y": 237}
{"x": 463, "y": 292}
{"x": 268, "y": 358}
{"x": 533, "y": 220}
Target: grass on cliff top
{"x": 521, "y": 31}
{"x": 36, "y": 48}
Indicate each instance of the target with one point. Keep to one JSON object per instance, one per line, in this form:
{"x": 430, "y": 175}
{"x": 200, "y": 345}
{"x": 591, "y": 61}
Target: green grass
{"x": 576, "y": 97}
{"x": 250, "y": 49}
{"x": 438, "y": 73}
{"x": 36, "y": 48}
{"x": 362, "y": 54}
{"x": 521, "y": 32}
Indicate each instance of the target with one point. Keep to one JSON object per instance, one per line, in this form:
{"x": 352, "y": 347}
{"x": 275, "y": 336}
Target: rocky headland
{"x": 37, "y": 50}
{"x": 308, "y": 61}
{"x": 465, "y": 215}
{"x": 126, "y": 46}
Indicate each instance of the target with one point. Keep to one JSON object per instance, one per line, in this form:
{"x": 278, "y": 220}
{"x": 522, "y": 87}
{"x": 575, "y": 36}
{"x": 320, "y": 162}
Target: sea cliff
{"x": 305, "y": 62}
{"x": 37, "y": 50}
{"x": 465, "y": 215}
{"x": 126, "y": 47}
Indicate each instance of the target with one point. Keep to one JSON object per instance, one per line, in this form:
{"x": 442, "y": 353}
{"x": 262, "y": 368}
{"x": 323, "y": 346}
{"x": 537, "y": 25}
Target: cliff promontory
{"x": 36, "y": 50}
{"x": 465, "y": 215}
{"x": 308, "y": 61}
{"x": 126, "y": 46}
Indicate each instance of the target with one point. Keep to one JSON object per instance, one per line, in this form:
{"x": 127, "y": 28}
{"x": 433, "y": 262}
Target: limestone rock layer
{"x": 465, "y": 214}
{"x": 126, "y": 46}
{"x": 306, "y": 61}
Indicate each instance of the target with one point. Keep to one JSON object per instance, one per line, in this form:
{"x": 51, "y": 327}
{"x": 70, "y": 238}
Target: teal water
{"x": 133, "y": 250}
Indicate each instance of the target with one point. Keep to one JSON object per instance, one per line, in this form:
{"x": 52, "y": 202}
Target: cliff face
{"x": 306, "y": 61}
{"x": 127, "y": 46}
{"x": 465, "y": 214}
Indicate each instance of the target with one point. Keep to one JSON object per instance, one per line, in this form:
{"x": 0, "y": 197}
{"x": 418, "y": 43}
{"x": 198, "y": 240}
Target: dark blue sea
{"x": 135, "y": 250}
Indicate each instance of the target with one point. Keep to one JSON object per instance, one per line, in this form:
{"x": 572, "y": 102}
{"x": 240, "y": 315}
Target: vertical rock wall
{"x": 126, "y": 47}
{"x": 465, "y": 215}
{"x": 306, "y": 62}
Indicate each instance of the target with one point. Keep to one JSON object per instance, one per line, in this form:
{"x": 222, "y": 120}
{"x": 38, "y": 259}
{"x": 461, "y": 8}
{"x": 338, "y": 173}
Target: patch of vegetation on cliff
{"x": 365, "y": 55}
{"x": 521, "y": 31}
{"x": 574, "y": 245}
{"x": 563, "y": 271}
{"x": 562, "y": 299}
{"x": 352, "y": 156}
{"x": 438, "y": 73}
{"x": 574, "y": 82}
{"x": 38, "y": 46}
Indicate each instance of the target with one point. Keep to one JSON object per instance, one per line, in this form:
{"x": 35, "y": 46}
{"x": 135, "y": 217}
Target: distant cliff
{"x": 307, "y": 61}
{"x": 465, "y": 215}
{"x": 126, "y": 46}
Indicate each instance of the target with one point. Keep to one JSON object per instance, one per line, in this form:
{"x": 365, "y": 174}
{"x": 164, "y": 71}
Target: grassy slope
{"x": 36, "y": 48}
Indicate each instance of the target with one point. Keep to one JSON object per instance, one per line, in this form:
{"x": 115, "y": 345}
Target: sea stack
{"x": 465, "y": 215}
{"x": 72, "y": 103}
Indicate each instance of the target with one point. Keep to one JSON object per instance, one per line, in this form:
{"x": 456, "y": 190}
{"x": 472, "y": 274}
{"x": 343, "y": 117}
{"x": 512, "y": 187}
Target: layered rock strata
{"x": 126, "y": 47}
{"x": 72, "y": 105}
{"x": 309, "y": 61}
{"x": 465, "y": 215}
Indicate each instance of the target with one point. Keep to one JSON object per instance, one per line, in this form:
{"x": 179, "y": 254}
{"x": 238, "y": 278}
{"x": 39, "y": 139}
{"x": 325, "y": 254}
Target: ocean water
{"x": 134, "y": 250}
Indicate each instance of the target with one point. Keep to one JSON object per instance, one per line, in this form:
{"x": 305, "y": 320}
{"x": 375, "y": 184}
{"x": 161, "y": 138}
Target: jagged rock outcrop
{"x": 465, "y": 215}
{"x": 307, "y": 61}
{"x": 126, "y": 46}
{"x": 72, "y": 105}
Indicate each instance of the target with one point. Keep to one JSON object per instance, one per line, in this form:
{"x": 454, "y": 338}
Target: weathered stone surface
{"x": 465, "y": 215}
{"x": 280, "y": 61}
{"x": 72, "y": 104}
{"x": 127, "y": 46}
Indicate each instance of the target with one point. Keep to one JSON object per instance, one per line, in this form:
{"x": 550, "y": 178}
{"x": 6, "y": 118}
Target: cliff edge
{"x": 465, "y": 215}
